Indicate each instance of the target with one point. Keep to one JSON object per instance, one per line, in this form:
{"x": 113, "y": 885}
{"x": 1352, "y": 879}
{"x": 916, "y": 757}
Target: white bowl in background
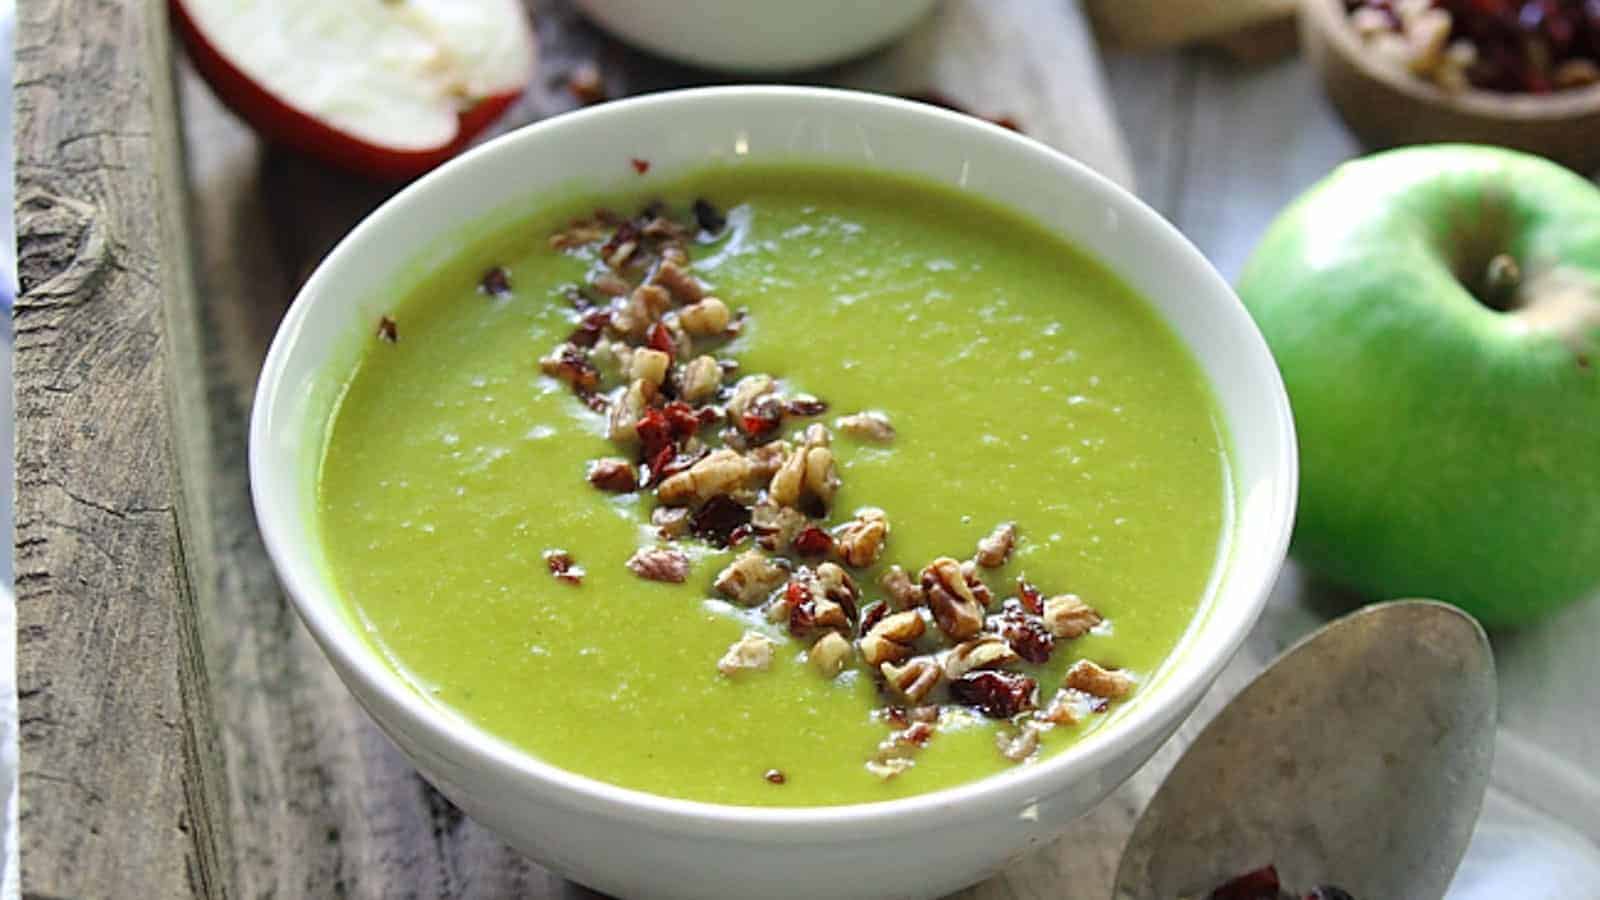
{"x": 756, "y": 35}
{"x": 634, "y": 844}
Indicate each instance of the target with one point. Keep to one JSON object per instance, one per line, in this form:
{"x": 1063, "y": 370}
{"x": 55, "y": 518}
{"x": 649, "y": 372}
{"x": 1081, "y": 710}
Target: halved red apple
{"x": 388, "y": 88}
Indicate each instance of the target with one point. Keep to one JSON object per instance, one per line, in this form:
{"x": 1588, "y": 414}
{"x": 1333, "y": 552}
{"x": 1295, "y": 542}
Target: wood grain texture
{"x": 112, "y": 720}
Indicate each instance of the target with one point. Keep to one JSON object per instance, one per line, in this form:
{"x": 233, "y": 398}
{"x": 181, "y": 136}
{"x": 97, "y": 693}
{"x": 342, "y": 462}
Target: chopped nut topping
{"x": 996, "y": 694}
{"x": 750, "y": 578}
{"x": 983, "y": 652}
{"x": 1022, "y": 745}
{"x": 571, "y": 364}
{"x": 750, "y": 653}
{"x": 623, "y": 424}
{"x": 642, "y": 308}
{"x": 775, "y": 776}
{"x": 867, "y": 426}
{"x": 889, "y": 768}
{"x": 699, "y": 379}
{"x": 955, "y": 607}
{"x": 719, "y": 473}
{"x": 903, "y": 592}
{"x": 829, "y": 654}
{"x": 1068, "y": 707}
{"x": 808, "y": 472}
{"x": 767, "y": 459}
{"x": 1111, "y": 684}
{"x": 895, "y": 752}
{"x": 775, "y": 525}
{"x": 890, "y": 639}
{"x": 860, "y": 543}
{"x": 707, "y": 317}
{"x": 613, "y": 474}
{"x": 671, "y": 522}
{"x": 560, "y": 564}
{"x": 649, "y": 366}
{"x": 683, "y": 286}
{"x": 746, "y": 391}
{"x": 996, "y": 548}
{"x": 659, "y": 564}
{"x": 1067, "y": 616}
{"x": 914, "y": 680}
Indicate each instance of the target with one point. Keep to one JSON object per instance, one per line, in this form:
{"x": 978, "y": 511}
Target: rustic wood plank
{"x": 318, "y": 802}
{"x": 110, "y": 726}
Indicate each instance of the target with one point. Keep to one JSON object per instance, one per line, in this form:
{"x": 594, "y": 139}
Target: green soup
{"x": 1026, "y": 384}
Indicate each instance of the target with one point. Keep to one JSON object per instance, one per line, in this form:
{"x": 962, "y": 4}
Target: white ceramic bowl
{"x": 634, "y": 844}
{"x": 756, "y": 35}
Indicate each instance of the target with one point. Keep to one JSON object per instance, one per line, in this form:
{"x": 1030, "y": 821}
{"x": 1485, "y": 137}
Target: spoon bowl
{"x": 1359, "y": 758}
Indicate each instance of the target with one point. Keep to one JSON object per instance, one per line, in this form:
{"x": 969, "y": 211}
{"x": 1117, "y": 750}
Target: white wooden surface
{"x": 1219, "y": 148}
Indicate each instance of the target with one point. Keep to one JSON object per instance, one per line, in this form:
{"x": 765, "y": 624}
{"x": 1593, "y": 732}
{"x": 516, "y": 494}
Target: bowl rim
{"x": 1327, "y": 19}
{"x": 1221, "y": 630}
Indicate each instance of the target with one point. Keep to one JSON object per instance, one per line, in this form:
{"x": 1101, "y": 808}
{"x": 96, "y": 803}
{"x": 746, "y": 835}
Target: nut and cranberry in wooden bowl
{"x": 1523, "y": 74}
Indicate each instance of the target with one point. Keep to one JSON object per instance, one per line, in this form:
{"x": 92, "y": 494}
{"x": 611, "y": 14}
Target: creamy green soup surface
{"x": 1025, "y": 384}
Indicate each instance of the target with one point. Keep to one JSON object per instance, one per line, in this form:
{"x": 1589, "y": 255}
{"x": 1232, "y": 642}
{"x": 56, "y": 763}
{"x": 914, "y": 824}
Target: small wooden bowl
{"x": 1388, "y": 107}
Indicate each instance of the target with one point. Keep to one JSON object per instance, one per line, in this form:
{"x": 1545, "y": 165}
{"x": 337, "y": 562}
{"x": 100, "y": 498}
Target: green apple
{"x": 1436, "y": 315}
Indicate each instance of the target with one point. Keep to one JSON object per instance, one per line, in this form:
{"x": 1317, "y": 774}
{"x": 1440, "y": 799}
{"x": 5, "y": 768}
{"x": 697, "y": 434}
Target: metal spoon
{"x": 1359, "y": 758}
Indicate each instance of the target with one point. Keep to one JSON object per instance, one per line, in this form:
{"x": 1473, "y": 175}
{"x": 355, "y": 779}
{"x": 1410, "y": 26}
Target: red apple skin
{"x": 283, "y": 124}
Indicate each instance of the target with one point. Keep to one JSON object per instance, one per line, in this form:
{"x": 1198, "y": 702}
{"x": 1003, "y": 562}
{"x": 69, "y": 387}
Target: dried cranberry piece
{"x": 762, "y": 418}
{"x": 996, "y": 694}
{"x": 1032, "y": 600}
{"x": 872, "y": 615}
{"x": 655, "y": 432}
{"x": 589, "y": 329}
{"x": 1261, "y": 884}
{"x": 661, "y": 339}
{"x": 802, "y": 618}
{"x": 813, "y": 541}
{"x": 640, "y": 165}
{"x": 708, "y": 416}
{"x": 684, "y": 420}
{"x": 805, "y": 406}
{"x": 708, "y": 217}
{"x": 1027, "y": 635}
{"x": 495, "y": 283}
{"x": 718, "y": 519}
{"x": 670, "y": 461}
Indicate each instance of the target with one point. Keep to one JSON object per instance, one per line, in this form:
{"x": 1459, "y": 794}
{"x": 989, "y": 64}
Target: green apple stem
{"x": 1501, "y": 278}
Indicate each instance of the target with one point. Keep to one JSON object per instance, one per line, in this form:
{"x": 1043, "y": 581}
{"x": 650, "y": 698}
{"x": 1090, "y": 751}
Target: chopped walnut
{"x": 1021, "y": 746}
{"x": 1067, "y": 616}
{"x": 767, "y": 459}
{"x": 816, "y": 435}
{"x": 676, "y": 279}
{"x": 809, "y": 471}
{"x": 829, "y": 654}
{"x": 623, "y": 424}
{"x": 837, "y": 584}
{"x": 577, "y": 234}
{"x": 660, "y": 564}
{"x": 707, "y": 317}
{"x": 746, "y": 391}
{"x": 860, "y": 543}
{"x": 750, "y": 653}
{"x": 750, "y": 578}
{"x": 903, "y": 592}
{"x": 914, "y": 680}
{"x": 1067, "y": 708}
{"x": 895, "y": 752}
{"x": 775, "y": 526}
{"x": 649, "y": 366}
{"x": 642, "y": 308}
{"x": 956, "y": 609}
{"x": 611, "y": 285}
{"x": 996, "y": 548}
{"x": 867, "y": 426}
{"x": 699, "y": 379}
{"x": 982, "y": 652}
{"x": 671, "y": 522}
{"x": 571, "y": 364}
{"x": 1110, "y": 684}
{"x": 613, "y": 474}
{"x": 719, "y": 473}
{"x": 890, "y": 639}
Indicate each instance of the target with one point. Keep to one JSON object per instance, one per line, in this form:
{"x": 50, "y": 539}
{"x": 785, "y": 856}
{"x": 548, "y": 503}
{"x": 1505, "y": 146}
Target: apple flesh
{"x": 388, "y": 88}
{"x": 1436, "y": 315}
